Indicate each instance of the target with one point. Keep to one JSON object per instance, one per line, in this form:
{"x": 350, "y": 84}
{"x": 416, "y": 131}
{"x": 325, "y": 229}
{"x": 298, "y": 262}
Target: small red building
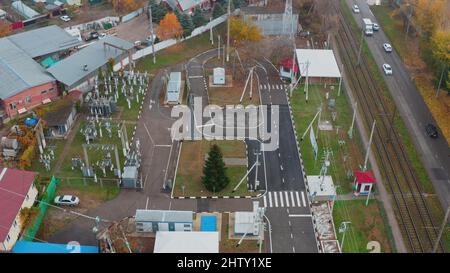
{"x": 286, "y": 68}
{"x": 364, "y": 182}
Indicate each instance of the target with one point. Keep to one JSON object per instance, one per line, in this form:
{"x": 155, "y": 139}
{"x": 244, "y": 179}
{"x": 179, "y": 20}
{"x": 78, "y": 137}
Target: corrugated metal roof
{"x": 164, "y": 216}
{"x": 44, "y": 41}
{"x": 18, "y": 71}
{"x": 14, "y": 186}
{"x": 70, "y": 70}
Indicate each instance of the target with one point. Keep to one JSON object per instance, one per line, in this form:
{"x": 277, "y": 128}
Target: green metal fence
{"x": 30, "y": 232}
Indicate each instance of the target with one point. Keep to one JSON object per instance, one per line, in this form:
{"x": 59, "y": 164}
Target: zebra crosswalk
{"x": 280, "y": 199}
{"x": 273, "y": 86}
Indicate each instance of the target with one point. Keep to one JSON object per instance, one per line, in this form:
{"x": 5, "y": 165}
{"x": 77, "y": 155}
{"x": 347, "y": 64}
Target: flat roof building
{"x": 174, "y": 88}
{"x": 187, "y": 242}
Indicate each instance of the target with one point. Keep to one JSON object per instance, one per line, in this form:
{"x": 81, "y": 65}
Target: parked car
{"x": 68, "y": 200}
{"x": 375, "y": 27}
{"x": 355, "y": 9}
{"x": 387, "y": 69}
{"x": 92, "y": 36}
{"x": 387, "y": 47}
{"x": 431, "y": 130}
{"x": 65, "y": 18}
{"x": 101, "y": 36}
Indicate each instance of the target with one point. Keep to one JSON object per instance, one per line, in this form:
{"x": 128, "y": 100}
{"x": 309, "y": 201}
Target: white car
{"x": 68, "y": 200}
{"x": 387, "y": 69}
{"x": 65, "y": 18}
{"x": 355, "y": 9}
{"x": 375, "y": 27}
{"x": 387, "y": 47}
{"x": 102, "y": 36}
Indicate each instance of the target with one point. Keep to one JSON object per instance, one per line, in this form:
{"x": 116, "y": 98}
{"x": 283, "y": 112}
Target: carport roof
{"x": 321, "y": 63}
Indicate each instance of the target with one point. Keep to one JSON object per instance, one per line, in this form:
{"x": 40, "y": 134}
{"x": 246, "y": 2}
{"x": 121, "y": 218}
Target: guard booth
{"x": 364, "y": 182}
{"x": 219, "y": 76}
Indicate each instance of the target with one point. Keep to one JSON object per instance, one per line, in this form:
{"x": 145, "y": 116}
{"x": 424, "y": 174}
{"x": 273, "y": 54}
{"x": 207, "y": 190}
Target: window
{"x": 366, "y": 188}
{"x": 8, "y": 238}
{"x": 52, "y": 89}
{"x": 27, "y": 197}
{"x": 27, "y": 99}
{"x": 12, "y": 106}
{"x": 15, "y": 223}
{"x": 187, "y": 225}
{"x": 44, "y": 92}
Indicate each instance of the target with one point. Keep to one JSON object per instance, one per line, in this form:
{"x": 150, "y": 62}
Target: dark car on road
{"x": 431, "y": 130}
{"x": 92, "y": 36}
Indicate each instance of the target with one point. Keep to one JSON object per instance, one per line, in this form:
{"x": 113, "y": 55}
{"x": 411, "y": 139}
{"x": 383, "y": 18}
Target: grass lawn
{"x": 344, "y": 158}
{"x": 190, "y": 168}
{"x": 366, "y": 225}
{"x": 178, "y": 53}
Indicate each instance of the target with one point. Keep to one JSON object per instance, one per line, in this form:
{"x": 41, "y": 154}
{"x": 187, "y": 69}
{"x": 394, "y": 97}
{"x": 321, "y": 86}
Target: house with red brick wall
{"x": 24, "y": 84}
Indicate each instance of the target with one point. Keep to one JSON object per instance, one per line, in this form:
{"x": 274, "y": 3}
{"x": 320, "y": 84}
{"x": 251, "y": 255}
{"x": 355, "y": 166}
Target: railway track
{"x": 415, "y": 219}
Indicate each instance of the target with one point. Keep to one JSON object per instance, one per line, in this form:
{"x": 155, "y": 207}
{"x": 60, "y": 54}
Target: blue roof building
{"x": 35, "y": 247}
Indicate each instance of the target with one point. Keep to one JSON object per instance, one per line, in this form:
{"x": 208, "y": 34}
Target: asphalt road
{"x": 285, "y": 199}
{"x": 435, "y": 153}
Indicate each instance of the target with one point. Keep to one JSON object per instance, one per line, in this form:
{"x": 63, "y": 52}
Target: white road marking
{"x": 303, "y": 199}
{"x": 287, "y": 198}
{"x": 281, "y": 199}
{"x": 270, "y": 199}
{"x": 276, "y": 199}
{"x": 292, "y": 198}
{"x": 298, "y": 199}
{"x": 146, "y": 203}
{"x": 265, "y": 201}
{"x": 300, "y": 215}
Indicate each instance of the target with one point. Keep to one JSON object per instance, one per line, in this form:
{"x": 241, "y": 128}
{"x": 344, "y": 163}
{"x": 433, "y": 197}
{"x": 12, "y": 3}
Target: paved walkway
{"x": 73, "y": 132}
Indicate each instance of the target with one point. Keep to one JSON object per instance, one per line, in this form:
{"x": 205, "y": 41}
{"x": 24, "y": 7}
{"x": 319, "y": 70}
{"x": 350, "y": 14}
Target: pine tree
{"x": 197, "y": 18}
{"x": 217, "y": 11}
{"x": 214, "y": 171}
{"x": 158, "y": 11}
{"x": 185, "y": 22}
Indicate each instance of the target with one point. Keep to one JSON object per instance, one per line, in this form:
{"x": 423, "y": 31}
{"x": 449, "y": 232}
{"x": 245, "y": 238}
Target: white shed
{"x": 219, "y": 75}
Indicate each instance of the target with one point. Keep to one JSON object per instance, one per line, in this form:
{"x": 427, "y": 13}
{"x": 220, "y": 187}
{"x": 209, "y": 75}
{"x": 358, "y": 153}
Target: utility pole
{"x": 350, "y": 131}
{"x": 218, "y": 47}
{"x": 440, "y": 80}
{"x": 307, "y": 81}
{"x": 151, "y": 32}
{"x": 256, "y": 171}
{"x": 368, "y": 146}
{"x": 340, "y": 80}
{"x": 228, "y": 30}
{"x": 409, "y": 20}
{"x": 343, "y": 229}
{"x": 444, "y": 223}
{"x": 211, "y": 38}
{"x": 360, "y": 47}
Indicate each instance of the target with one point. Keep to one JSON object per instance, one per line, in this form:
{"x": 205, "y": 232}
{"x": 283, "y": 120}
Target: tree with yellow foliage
{"x": 429, "y": 16}
{"x": 127, "y": 5}
{"x": 5, "y": 29}
{"x": 241, "y": 31}
{"x": 169, "y": 27}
